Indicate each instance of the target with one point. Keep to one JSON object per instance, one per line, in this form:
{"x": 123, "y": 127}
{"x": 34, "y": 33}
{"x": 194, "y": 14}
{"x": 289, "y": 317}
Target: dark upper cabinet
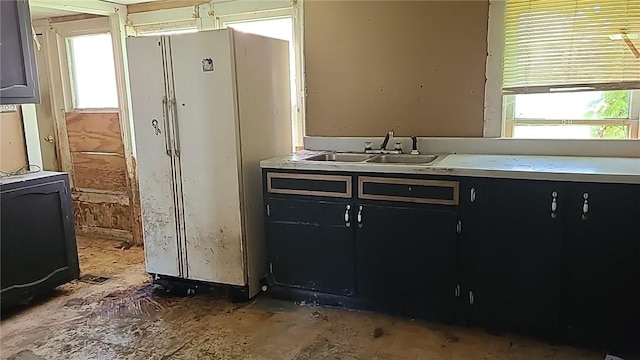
{"x": 18, "y": 74}
{"x": 310, "y": 244}
{"x": 601, "y": 285}
{"x": 406, "y": 258}
{"x": 510, "y": 251}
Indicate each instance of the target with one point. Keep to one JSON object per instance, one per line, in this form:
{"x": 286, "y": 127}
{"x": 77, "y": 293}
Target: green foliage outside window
{"x": 610, "y": 105}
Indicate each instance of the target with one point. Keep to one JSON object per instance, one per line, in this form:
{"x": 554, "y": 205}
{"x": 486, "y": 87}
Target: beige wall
{"x": 417, "y": 67}
{"x": 13, "y": 150}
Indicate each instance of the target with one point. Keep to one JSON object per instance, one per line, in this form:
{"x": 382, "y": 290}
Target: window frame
{"x": 65, "y": 31}
{"x": 510, "y": 121}
{"x": 499, "y": 121}
{"x": 295, "y": 13}
{"x": 71, "y": 76}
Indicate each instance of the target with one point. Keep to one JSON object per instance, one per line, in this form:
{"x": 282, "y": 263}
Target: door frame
{"x": 114, "y": 22}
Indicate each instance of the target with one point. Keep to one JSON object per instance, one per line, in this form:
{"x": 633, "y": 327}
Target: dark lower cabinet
{"x": 559, "y": 260}
{"x": 601, "y": 287}
{"x": 310, "y": 245}
{"x": 38, "y": 244}
{"x": 406, "y": 259}
{"x": 511, "y": 249}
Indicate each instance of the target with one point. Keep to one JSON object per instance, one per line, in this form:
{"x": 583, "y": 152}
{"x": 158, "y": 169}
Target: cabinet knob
{"x": 347, "y": 212}
{"x": 585, "y": 206}
{"x": 360, "y": 216}
{"x": 554, "y": 204}
{"x": 473, "y": 194}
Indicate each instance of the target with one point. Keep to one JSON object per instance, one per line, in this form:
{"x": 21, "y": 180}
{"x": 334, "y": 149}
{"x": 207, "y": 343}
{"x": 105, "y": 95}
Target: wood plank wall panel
{"x": 103, "y": 215}
{"x": 94, "y": 131}
{"x": 105, "y": 172}
{"x": 13, "y": 149}
{"x": 417, "y": 67}
{"x": 100, "y": 194}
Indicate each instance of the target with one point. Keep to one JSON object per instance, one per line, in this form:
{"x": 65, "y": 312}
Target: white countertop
{"x": 560, "y": 168}
{"x": 28, "y": 176}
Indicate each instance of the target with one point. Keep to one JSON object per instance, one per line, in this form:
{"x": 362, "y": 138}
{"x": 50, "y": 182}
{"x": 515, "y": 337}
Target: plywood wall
{"x": 417, "y": 67}
{"x": 100, "y": 191}
{"x": 13, "y": 152}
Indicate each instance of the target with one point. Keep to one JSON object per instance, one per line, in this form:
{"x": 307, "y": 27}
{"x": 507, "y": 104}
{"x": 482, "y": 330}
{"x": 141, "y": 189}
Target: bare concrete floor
{"x": 123, "y": 318}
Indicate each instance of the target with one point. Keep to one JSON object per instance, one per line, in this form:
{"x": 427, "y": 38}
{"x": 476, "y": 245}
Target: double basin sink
{"x": 374, "y": 158}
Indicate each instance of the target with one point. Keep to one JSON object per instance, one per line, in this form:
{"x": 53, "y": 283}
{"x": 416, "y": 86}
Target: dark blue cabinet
{"x": 560, "y": 260}
{"x": 406, "y": 259}
{"x": 601, "y": 285}
{"x": 511, "y": 250}
{"x": 310, "y": 244}
{"x": 18, "y": 74}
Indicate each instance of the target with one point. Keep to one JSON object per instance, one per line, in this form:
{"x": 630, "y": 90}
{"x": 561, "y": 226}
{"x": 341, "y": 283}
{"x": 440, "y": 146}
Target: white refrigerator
{"x": 207, "y": 107}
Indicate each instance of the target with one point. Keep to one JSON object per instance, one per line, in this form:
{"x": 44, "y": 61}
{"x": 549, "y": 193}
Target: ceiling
{"x": 129, "y": 2}
{"x": 42, "y": 12}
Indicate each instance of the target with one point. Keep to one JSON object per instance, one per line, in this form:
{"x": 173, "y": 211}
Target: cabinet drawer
{"x": 338, "y": 186}
{"x": 408, "y": 190}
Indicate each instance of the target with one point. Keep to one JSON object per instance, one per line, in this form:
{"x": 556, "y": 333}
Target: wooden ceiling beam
{"x": 163, "y": 5}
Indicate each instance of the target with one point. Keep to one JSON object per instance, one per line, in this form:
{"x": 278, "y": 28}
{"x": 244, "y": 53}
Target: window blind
{"x": 571, "y": 45}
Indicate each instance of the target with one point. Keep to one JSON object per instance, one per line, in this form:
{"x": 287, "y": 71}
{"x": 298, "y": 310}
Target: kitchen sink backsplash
{"x": 426, "y": 145}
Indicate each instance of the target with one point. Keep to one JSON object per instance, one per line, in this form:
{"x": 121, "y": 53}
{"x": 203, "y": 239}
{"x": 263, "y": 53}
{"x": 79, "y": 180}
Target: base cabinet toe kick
{"x": 557, "y": 260}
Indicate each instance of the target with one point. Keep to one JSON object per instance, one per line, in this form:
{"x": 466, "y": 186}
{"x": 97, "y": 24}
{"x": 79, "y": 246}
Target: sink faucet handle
{"x": 414, "y": 146}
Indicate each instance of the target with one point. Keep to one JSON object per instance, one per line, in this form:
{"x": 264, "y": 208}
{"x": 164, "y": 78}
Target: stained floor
{"x": 126, "y": 318}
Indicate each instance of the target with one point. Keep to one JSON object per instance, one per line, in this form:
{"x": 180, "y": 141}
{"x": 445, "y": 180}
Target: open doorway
{"x": 80, "y": 132}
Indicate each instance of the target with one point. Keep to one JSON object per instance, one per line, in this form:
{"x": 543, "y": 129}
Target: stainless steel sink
{"x": 340, "y": 157}
{"x": 403, "y": 159}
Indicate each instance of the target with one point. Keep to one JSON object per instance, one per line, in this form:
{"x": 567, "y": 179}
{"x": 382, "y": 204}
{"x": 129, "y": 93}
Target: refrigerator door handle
{"x": 175, "y": 126}
{"x": 165, "y": 123}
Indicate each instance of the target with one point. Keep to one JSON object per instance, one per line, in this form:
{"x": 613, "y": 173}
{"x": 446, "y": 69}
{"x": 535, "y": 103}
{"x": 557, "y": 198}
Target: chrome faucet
{"x": 383, "y": 148}
{"x": 386, "y": 140}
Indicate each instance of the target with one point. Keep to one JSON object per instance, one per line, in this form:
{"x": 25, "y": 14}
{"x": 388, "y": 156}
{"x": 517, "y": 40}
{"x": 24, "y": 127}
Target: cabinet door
{"x": 511, "y": 249}
{"x": 406, "y": 258}
{"x": 38, "y": 246}
{"x": 310, "y": 245}
{"x": 602, "y": 263}
{"x": 18, "y": 77}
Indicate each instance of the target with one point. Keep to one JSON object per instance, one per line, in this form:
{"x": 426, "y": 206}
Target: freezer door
{"x": 153, "y": 154}
{"x": 206, "y": 124}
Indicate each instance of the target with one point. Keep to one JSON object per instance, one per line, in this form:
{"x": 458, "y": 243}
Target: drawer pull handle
{"x": 473, "y": 194}
{"x": 554, "y": 204}
{"x": 346, "y": 216}
{"x": 360, "y": 216}
{"x": 585, "y": 206}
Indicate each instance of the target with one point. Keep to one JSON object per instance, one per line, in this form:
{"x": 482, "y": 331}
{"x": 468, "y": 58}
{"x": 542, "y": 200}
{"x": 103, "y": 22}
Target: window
{"x": 571, "y": 69}
{"x": 92, "y": 71}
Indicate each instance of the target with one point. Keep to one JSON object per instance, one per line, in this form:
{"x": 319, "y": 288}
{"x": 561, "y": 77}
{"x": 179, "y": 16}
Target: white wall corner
{"x": 493, "y": 124}
{"x": 298, "y": 43}
{"x": 117, "y": 22}
{"x": 31, "y": 134}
